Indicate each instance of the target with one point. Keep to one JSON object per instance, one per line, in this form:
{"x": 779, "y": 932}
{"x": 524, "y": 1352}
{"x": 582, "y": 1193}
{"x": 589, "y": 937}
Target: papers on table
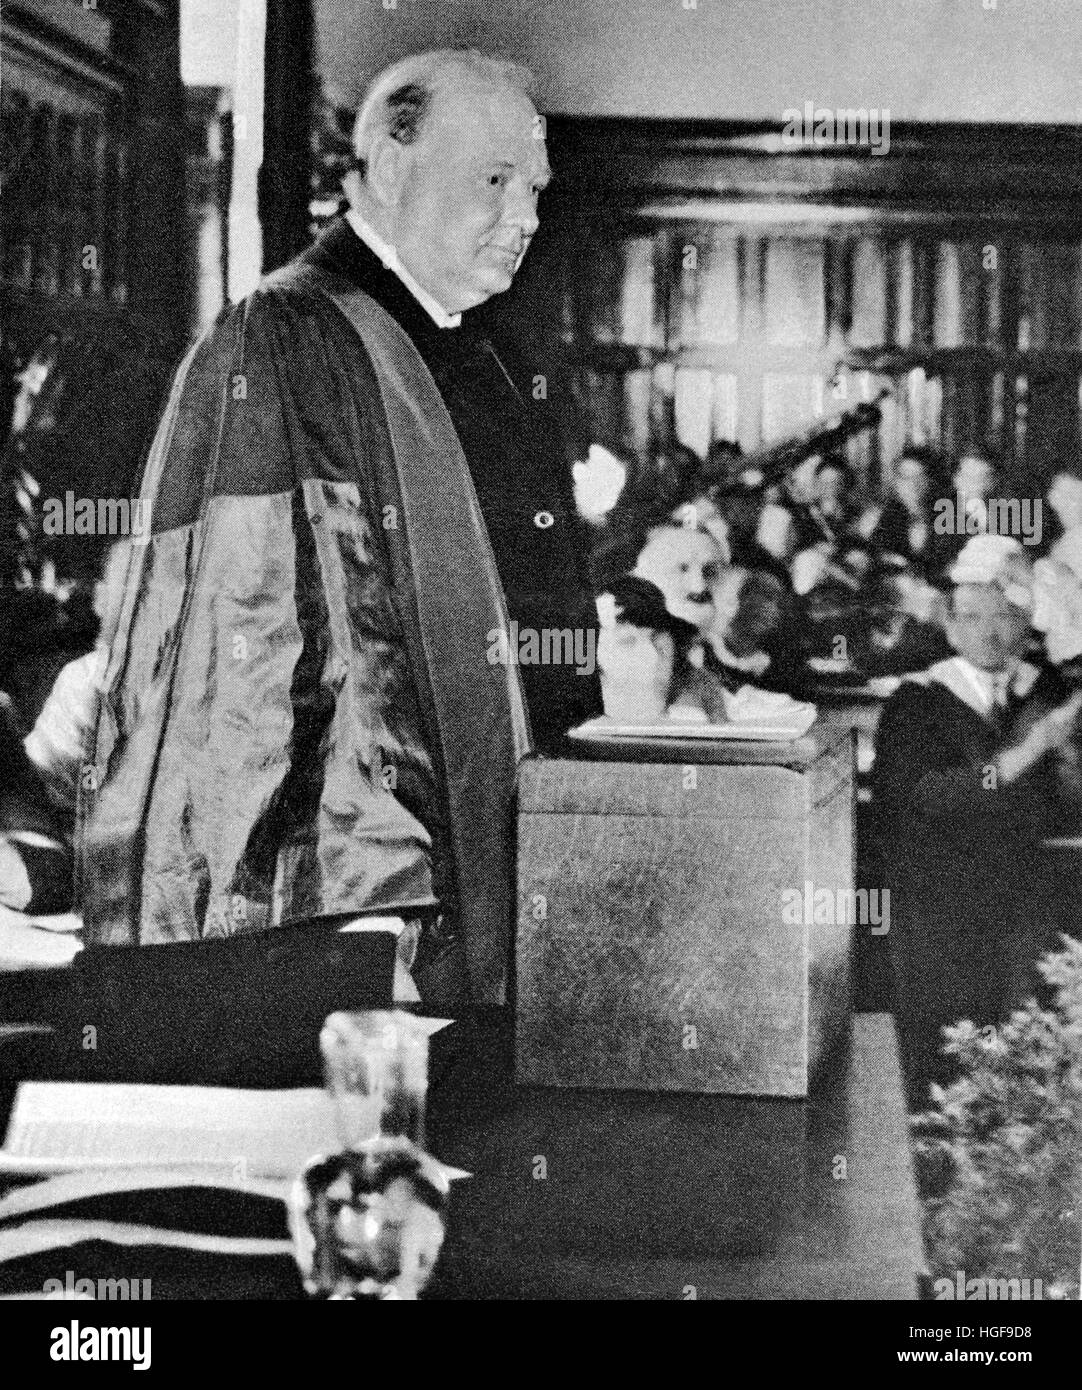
{"x": 750, "y": 733}
{"x": 89, "y": 1139}
{"x": 57, "y": 1126}
{"x": 753, "y": 715}
{"x": 768, "y": 709}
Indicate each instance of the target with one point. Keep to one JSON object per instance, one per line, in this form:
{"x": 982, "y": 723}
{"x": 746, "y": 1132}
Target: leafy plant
{"x": 999, "y": 1157}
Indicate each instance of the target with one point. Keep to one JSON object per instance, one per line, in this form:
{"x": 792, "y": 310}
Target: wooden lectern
{"x": 672, "y": 930}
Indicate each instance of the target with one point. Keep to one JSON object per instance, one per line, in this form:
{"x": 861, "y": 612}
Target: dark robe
{"x": 302, "y": 721}
{"x": 523, "y": 481}
{"x": 972, "y": 901}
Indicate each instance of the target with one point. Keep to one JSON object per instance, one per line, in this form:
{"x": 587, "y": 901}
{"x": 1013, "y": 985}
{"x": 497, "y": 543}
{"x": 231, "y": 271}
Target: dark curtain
{"x": 285, "y": 178}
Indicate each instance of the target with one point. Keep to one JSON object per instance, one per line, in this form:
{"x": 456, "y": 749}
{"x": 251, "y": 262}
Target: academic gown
{"x": 301, "y": 721}
{"x": 523, "y": 481}
{"x": 972, "y": 901}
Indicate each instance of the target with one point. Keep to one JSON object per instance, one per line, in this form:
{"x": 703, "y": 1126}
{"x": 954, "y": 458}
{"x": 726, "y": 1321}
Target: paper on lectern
{"x": 59, "y": 1126}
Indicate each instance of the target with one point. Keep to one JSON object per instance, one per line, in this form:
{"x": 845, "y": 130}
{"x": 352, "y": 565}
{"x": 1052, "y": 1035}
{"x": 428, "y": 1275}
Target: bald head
{"x": 401, "y": 96}
{"x": 451, "y": 161}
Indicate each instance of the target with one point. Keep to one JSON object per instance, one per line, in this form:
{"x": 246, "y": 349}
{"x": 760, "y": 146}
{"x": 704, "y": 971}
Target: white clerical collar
{"x": 389, "y": 257}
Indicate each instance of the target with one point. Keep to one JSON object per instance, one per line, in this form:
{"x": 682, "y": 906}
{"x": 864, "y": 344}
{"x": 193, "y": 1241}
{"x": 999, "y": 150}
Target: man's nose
{"x": 521, "y": 211}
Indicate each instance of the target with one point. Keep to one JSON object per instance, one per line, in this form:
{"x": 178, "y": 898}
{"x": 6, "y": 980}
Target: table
{"x": 644, "y": 1195}
{"x": 660, "y": 1195}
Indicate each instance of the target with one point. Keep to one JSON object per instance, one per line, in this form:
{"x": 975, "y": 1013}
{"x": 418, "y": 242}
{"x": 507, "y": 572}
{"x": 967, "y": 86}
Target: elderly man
{"x": 966, "y": 785}
{"x": 302, "y": 729}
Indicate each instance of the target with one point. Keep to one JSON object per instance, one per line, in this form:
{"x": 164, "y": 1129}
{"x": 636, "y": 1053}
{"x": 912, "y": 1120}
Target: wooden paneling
{"x": 92, "y": 241}
{"x": 784, "y": 285}
{"x": 63, "y": 215}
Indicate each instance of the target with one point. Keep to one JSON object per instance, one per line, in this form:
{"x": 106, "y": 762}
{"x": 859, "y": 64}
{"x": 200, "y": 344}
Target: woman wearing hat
{"x": 643, "y": 653}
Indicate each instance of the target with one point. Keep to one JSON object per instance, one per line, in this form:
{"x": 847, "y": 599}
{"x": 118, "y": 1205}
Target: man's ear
{"x": 388, "y": 167}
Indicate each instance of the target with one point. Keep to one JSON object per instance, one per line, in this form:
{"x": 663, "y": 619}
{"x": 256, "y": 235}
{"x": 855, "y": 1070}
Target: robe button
{"x": 543, "y": 520}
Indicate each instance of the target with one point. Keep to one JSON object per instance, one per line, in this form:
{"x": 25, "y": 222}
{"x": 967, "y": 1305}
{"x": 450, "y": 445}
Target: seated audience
{"x": 1057, "y": 616}
{"x": 854, "y": 588}
{"x": 905, "y": 629}
{"x": 973, "y": 483}
{"x": 895, "y": 624}
{"x": 685, "y": 489}
{"x": 752, "y": 642}
{"x": 903, "y": 527}
{"x": 727, "y": 496}
{"x": 676, "y": 470}
{"x": 39, "y": 775}
{"x": 833, "y": 507}
{"x": 58, "y": 743}
{"x": 828, "y": 548}
{"x": 966, "y": 784}
{"x": 740, "y": 618}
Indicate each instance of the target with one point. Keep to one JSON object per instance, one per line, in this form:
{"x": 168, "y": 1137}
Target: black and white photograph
{"x": 540, "y": 666}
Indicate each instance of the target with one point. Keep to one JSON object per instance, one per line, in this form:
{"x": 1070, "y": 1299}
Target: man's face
{"x": 986, "y": 629}
{"x": 685, "y": 564}
{"x": 973, "y": 477}
{"x": 467, "y": 209}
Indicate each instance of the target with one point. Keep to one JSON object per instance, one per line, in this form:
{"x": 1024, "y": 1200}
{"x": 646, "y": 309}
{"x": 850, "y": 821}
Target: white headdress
{"x": 998, "y": 560}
